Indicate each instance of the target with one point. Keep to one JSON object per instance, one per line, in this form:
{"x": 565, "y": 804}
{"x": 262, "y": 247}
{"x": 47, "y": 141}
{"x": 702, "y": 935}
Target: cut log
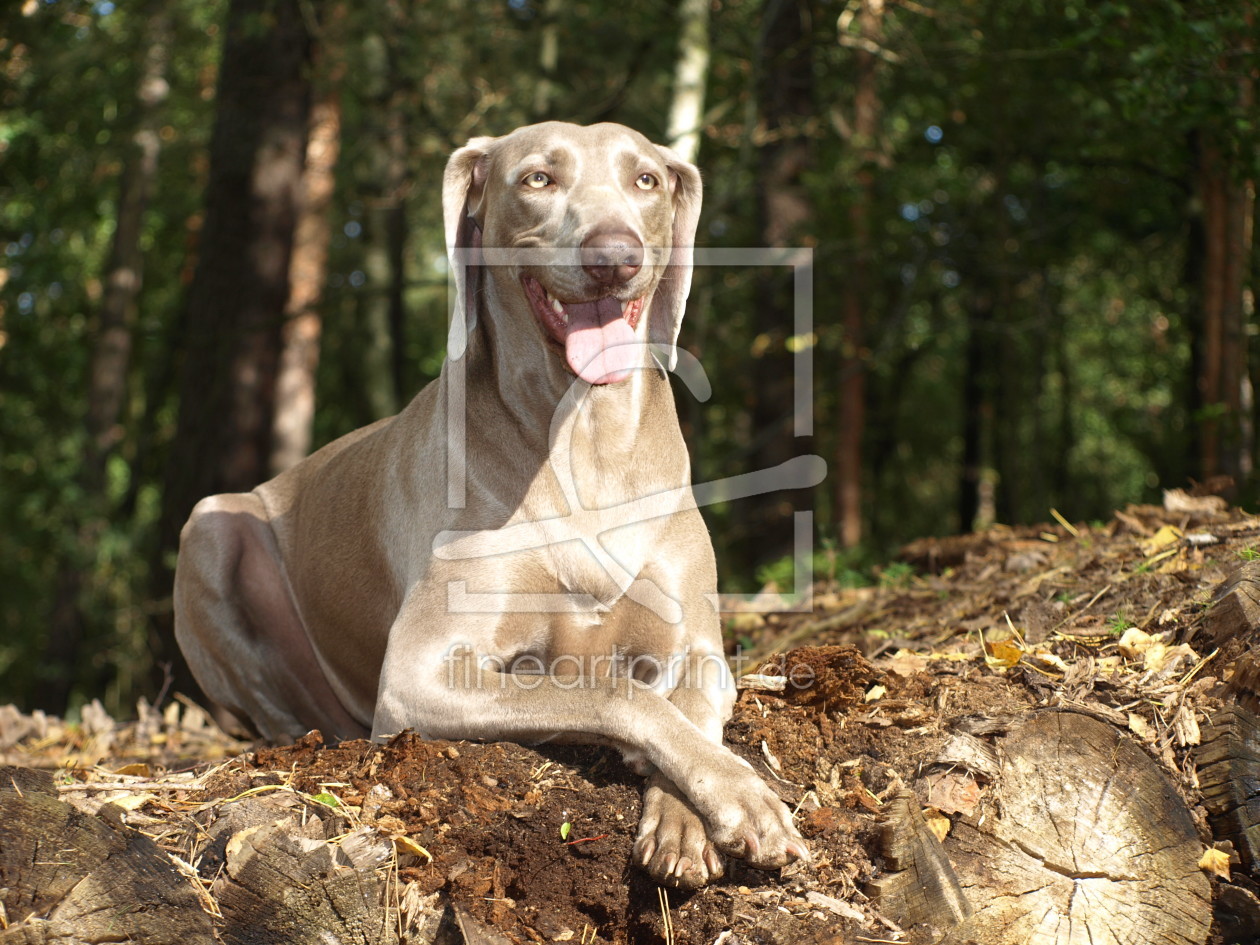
{"x": 1237, "y": 914}
{"x": 1234, "y": 609}
{"x": 1080, "y": 839}
{"x": 68, "y": 877}
{"x": 287, "y": 884}
{"x": 1229, "y": 777}
{"x": 922, "y": 888}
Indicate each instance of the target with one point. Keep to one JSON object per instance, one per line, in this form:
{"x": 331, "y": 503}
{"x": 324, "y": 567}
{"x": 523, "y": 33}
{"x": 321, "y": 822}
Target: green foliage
{"x": 839, "y": 568}
{"x": 1118, "y": 623}
{"x": 1032, "y": 237}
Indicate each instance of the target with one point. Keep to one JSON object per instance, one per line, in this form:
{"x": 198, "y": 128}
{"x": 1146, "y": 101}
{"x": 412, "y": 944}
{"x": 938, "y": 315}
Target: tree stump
{"x": 1080, "y": 838}
{"x": 74, "y": 879}
{"x": 1229, "y": 776}
{"x": 1234, "y": 610}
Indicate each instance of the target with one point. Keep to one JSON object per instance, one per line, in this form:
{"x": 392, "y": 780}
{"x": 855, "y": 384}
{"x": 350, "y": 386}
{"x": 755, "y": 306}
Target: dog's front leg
{"x": 673, "y": 844}
{"x": 448, "y": 693}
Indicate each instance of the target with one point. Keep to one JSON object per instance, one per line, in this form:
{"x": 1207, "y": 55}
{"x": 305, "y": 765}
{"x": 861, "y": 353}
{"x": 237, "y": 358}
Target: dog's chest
{"x": 609, "y": 556}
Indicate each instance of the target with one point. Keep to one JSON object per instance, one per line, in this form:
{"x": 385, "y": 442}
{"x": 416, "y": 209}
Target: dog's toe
{"x": 673, "y": 846}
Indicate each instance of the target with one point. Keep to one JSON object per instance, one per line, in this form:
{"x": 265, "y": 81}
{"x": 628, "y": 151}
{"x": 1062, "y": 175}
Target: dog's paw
{"x": 673, "y": 845}
{"x": 748, "y": 821}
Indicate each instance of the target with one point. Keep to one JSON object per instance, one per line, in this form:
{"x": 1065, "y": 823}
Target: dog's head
{"x": 595, "y": 225}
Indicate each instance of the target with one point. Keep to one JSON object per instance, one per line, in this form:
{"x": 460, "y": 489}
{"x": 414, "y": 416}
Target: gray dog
{"x": 517, "y": 555}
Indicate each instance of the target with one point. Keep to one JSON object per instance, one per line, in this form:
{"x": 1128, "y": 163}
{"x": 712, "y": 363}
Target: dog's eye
{"x": 645, "y": 182}
{"x": 538, "y": 180}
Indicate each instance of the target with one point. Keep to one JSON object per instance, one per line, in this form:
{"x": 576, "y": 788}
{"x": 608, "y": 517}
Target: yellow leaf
{"x": 875, "y": 692}
{"x": 405, "y": 844}
{"x": 1003, "y": 654}
{"x": 1168, "y": 535}
{"x": 1215, "y": 862}
{"x": 1135, "y": 643}
{"x": 938, "y": 823}
{"x": 139, "y": 770}
{"x": 131, "y": 801}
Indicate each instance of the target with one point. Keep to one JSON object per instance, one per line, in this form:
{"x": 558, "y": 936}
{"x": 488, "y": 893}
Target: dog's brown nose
{"x": 612, "y": 257}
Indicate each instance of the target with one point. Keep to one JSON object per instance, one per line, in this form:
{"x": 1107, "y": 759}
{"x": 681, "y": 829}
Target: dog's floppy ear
{"x": 675, "y": 284}
{"x": 462, "y": 188}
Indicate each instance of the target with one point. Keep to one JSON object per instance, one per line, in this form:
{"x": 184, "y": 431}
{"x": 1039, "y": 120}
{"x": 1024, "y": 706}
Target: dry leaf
{"x": 953, "y": 792}
{"x": 1167, "y": 536}
{"x": 1161, "y": 660}
{"x": 404, "y": 844}
{"x": 938, "y": 823}
{"x": 1134, "y": 643}
{"x": 876, "y": 692}
{"x": 907, "y": 663}
{"x": 1215, "y": 862}
{"x": 1141, "y": 728}
{"x": 1003, "y": 654}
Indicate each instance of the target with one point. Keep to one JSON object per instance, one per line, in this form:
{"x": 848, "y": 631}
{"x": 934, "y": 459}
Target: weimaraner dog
{"x": 517, "y": 555}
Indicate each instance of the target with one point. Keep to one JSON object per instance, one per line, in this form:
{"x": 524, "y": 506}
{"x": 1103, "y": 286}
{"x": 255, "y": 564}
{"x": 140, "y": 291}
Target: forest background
{"x": 221, "y": 247}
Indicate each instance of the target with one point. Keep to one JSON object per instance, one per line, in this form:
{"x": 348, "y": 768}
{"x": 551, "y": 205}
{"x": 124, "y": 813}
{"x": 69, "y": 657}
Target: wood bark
{"x": 973, "y": 511}
{"x": 548, "y": 59}
{"x": 385, "y": 379}
{"x": 1228, "y": 762}
{"x": 236, "y": 301}
{"x": 70, "y": 878}
{"x": 282, "y": 882}
{"x": 1233, "y": 613}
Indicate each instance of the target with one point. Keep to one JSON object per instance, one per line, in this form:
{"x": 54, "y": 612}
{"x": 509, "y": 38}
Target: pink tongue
{"x": 600, "y": 345}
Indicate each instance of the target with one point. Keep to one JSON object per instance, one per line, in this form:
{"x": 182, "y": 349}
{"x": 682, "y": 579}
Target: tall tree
{"x": 686, "y": 109}
{"x": 1226, "y": 441}
{"x": 864, "y": 140}
{"x": 236, "y": 302}
{"x": 547, "y": 83}
{"x": 785, "y": 114}
{"x": 295, "y": 384}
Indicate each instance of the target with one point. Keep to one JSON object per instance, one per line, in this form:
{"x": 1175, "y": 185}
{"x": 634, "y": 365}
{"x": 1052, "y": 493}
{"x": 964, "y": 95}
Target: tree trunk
{"x": 1223, "y": 368}
{"x": 785, "y": 97}
{"x": 236, "y": 302}
{"x": 977, "y": 414}
{"x": 1226, "y": 444}
{"x": 299, "y": 359}
{"x": 385, "y": 383}
{"x": 548, "y": 59}
{"x": 686, "y": 112}
{"x": 864, "y": 140}
{"x": 110, "y": 365}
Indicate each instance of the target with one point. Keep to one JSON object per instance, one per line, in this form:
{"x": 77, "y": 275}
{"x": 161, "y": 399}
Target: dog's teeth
{"x": 557, "y": 307}
{"x": 625, "y": 305}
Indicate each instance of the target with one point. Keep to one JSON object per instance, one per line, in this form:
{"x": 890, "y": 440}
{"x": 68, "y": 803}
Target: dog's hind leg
{"x": 239, "y": 627}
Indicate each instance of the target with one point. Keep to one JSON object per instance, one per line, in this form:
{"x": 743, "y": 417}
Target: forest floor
{"x": 506, "y": 843}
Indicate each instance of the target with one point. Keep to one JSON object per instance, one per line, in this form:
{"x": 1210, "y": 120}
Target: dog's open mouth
{"x": 598, "y": 337}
